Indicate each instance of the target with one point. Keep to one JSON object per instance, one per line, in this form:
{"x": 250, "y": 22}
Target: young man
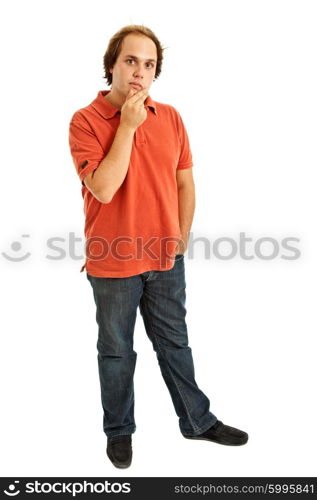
{"x": 133, "y": 158}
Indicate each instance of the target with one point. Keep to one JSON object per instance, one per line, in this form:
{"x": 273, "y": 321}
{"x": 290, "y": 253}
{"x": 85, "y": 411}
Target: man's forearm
{"x": 112, "y": 170}
{"x": 186, "y": 209}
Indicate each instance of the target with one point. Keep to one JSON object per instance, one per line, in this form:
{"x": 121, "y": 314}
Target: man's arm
{"x": 106, "y": 179}
{"x": 186, "y": 205}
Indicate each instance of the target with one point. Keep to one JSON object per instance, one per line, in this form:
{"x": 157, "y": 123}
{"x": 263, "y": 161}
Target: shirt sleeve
{"x": 185, "y": 157}
{"x": 85, "y": 148}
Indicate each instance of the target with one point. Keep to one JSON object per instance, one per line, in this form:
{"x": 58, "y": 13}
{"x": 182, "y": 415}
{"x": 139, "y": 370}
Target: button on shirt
{"x": 138, "y": 230}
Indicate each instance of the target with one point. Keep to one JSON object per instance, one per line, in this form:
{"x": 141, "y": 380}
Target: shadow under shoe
{"x": 119, "y": 451}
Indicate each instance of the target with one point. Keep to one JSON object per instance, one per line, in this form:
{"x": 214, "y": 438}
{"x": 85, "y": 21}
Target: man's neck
{"x": 115, "y": 99}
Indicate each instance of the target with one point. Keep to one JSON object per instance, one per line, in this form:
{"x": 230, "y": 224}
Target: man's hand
{"x": 182, "y": 245}
{"x": 133, "y": 112}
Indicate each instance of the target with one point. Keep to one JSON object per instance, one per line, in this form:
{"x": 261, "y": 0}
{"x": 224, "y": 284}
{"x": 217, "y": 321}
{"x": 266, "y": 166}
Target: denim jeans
{"x": 161, "y": 296}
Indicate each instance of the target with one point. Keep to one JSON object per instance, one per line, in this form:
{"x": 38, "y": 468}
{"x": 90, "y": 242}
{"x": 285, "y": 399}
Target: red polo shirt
{"x": 139, "y": 229}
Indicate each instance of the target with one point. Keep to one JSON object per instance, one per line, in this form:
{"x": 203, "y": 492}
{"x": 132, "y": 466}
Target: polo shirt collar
{"x": 108, "y": 110}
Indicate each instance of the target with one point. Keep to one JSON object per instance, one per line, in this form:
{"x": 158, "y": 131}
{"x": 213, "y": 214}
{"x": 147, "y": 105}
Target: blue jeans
{"x": 161, "y": 297}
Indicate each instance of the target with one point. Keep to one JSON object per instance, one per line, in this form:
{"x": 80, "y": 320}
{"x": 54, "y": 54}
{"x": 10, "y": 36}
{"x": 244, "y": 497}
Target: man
{"x": 133, "y": 158}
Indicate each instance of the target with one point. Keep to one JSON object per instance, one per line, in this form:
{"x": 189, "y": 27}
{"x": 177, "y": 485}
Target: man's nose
{"x": 138, "y": 72}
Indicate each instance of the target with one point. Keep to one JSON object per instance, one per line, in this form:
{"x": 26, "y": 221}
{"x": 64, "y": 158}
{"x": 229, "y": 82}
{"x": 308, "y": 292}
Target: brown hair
{"x": 115, "y": 43}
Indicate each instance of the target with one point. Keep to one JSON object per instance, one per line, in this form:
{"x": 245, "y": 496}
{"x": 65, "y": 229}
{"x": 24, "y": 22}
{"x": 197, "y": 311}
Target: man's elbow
{"x": 104, "y": 197}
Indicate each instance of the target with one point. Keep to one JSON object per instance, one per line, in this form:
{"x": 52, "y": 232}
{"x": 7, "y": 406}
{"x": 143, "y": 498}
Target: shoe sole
{"x": 118, "y": 464}
{"x": 218, "y": 442}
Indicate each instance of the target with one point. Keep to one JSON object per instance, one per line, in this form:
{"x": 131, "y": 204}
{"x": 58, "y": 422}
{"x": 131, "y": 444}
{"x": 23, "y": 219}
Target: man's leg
{"x": 117, "y": 300}
{"x": 162, "y": 307}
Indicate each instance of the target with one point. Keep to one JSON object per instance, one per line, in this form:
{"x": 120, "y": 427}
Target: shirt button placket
{"x": 139, "y": 137}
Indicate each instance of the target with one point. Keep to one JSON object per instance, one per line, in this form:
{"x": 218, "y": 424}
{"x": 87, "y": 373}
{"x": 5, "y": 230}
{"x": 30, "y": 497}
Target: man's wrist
{"x": 127, "y": 128}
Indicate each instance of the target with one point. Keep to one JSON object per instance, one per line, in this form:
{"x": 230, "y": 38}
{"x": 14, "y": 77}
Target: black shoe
{"x": 119, "y": 451}
{"x": 223, "y": 434}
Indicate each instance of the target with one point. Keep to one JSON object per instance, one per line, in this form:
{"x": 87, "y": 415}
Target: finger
{"x": 130, "y": 93}
{"x": 141, "y": 101}
{"x": 140, "y": 94}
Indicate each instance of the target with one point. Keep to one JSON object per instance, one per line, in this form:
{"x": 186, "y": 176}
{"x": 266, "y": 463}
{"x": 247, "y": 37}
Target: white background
{"x": 243, "y": 76}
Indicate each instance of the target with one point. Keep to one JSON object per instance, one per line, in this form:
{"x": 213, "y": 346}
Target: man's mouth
{"x": 136, "y": 85}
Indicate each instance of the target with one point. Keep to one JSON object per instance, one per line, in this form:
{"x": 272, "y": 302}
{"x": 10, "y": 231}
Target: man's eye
{"x": 150, "y": 65}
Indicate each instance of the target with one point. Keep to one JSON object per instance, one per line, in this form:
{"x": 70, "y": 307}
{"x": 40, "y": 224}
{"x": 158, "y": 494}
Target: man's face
{"x": 135, "y": 63}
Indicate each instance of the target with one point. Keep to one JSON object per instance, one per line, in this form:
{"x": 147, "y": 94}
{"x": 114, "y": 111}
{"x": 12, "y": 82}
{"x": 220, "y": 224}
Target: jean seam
{"x": 183, "y": 398}
{"x": 122, "y": 434}
{"x": 200, "y": 430}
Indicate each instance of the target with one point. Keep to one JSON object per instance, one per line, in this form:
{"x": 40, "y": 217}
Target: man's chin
{"x": 135, "y": 89}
